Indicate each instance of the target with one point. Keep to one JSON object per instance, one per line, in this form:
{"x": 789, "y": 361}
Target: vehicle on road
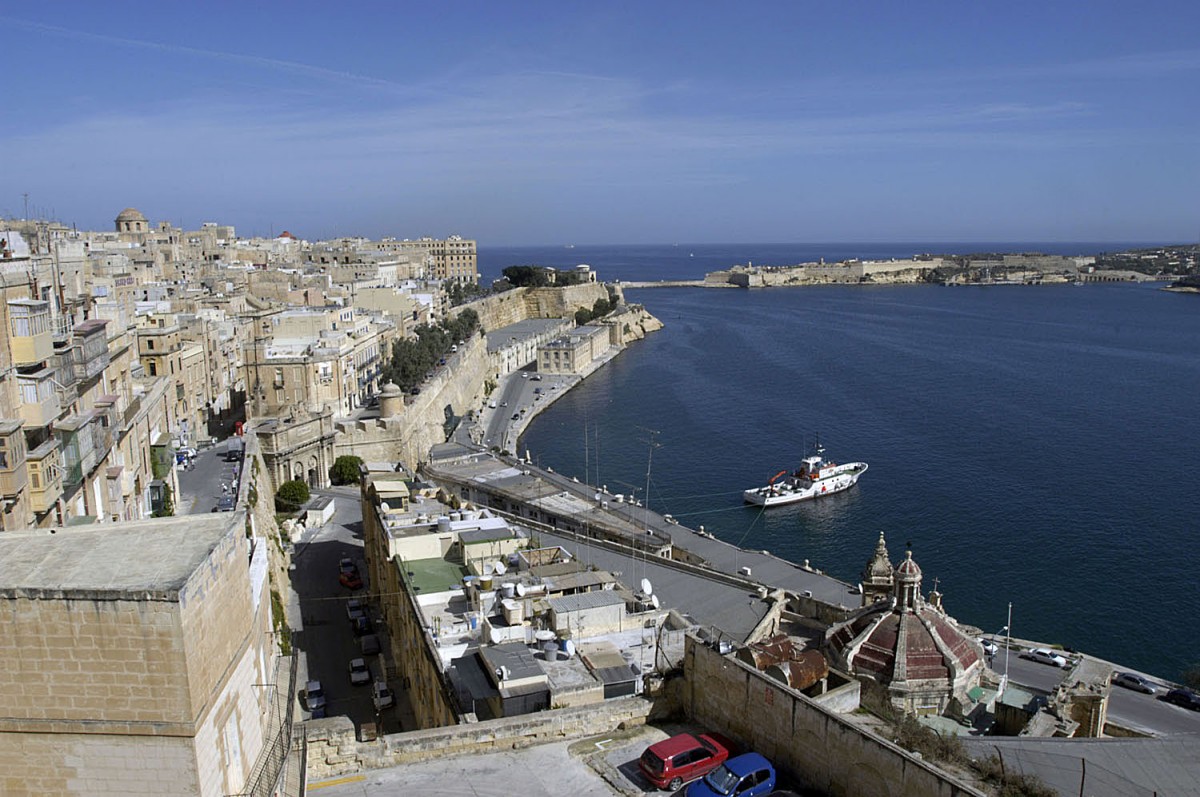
{"x": 1044, "y": 656}
{"x": 381, "y": 696}
{"x": 516, "y": 417}
{"x": 355, "y": 608}
{"x": 314, "y": 699}
{"x": 361, "y": 625}
{"x": 346, "y": 565}
{"x": 225, "y": 503}
{"x": 989, "y": 647}
{"x": 360, "y": 674}
{"x": 1183, "y": 697}
{"x": 673, "y": 762}
{"x": 1131, "y": 680}
{"x": 350, "y": 580}
{"x": 747, "y": 775}
{"x": 369, "y": 644}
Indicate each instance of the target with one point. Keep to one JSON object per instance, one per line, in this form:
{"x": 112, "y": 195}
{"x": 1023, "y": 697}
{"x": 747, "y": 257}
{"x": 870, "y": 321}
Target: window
{"x": 150, "y": 344}
{"x": 153, "y": 368}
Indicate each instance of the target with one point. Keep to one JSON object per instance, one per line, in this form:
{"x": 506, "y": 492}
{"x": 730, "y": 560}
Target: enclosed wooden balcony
{"x": 45, "y": 476}
{"x": 39, "y": 397}
{"x": 29, "y": 331}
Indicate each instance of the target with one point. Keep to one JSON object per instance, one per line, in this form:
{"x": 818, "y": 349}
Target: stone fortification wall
{"x": 518, "y": 304}
{"x": 409, "y": 436}
{"x": 818, "y": 747}
{"x": 333, "y": 749}
{"x": 634, "y": 323}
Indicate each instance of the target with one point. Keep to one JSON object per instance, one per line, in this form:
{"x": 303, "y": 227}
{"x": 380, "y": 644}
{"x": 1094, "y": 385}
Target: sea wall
{"x": 518, "y": 304}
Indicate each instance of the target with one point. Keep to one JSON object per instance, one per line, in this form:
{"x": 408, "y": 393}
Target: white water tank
{"x": 443, "y": 525}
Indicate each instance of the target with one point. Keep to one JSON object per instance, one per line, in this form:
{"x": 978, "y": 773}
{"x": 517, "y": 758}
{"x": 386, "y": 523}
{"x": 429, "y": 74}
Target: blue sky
{"x": 647, "y": 122}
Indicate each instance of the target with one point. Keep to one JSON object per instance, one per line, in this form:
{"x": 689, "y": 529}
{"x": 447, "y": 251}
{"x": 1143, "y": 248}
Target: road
{"x": 200, "y": 486}
{"x": 1127, "y": 708}
{"x": 327, "y": 642}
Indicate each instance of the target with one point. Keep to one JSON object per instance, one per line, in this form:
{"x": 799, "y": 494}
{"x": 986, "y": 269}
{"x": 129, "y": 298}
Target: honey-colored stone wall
{"x": 40, "y": 764}
{"x": 110, "y": 665}
{"x": 821, "y": 749}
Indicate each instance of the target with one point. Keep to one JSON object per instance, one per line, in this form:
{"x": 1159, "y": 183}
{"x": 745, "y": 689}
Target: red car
{"x": 673, "y": 762}
{"x": 350, "y": 580}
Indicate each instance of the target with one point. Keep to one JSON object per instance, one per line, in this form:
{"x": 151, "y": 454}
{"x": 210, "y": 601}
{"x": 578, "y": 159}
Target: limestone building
{"x": 138, "y": 660}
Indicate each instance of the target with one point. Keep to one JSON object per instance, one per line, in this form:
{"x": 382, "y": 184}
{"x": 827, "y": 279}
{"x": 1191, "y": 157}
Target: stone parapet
{"x": 333, "y": 749}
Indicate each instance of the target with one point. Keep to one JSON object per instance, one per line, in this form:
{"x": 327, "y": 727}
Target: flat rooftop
{"x": 142, "y": 560}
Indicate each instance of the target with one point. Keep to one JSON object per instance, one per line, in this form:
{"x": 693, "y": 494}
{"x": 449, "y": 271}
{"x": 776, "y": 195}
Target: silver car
{"x": 1133, "y": 681}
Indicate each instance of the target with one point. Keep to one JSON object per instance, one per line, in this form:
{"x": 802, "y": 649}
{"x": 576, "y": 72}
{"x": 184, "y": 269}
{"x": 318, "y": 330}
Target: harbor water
{"x": 1032, "y": 445}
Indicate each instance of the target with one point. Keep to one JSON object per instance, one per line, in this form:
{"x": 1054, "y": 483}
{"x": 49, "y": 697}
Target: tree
{"x": 602, "y": 307}
{"x": 291, "y": 496}
{"x": 345, "y": 469}
{"x": 582, "y": 316}
{"x": 527, "y": 276}
{"x": 1191, "y": 677}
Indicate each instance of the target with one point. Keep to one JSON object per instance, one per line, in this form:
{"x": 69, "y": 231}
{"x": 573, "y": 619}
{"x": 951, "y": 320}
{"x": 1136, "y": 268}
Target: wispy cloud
{"x": 260, "y": 62}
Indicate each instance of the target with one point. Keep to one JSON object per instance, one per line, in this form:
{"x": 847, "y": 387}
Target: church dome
{"x": 908, "y": 569}
{"x": 130, "y": 214}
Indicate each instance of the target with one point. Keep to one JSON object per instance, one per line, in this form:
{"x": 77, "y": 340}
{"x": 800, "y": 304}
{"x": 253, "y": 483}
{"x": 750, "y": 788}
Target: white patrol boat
{"x": 814, "y": 479}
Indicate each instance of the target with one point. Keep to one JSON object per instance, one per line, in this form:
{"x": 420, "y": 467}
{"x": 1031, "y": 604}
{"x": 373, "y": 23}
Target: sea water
{"x": 1032, "y": 445}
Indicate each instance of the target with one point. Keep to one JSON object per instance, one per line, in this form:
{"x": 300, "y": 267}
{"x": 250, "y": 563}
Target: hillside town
{"x": 267, "y": 528}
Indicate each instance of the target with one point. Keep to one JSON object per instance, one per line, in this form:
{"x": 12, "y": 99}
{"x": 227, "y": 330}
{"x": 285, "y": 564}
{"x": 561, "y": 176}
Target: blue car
{"x": 747, "y": 775}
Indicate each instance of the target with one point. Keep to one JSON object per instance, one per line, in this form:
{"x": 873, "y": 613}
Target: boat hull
{"x": 793, "y": 491}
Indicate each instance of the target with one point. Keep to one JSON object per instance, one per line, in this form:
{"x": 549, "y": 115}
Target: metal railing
{"x": 270, "y": 774}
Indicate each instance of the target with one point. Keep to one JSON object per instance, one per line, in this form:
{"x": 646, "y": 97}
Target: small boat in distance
{"x": 815, "y": 478}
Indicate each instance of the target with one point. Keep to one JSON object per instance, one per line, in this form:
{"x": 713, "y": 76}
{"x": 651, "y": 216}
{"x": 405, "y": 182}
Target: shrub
{"x": 291, "y": 496}
{"x": 345, "y": 469}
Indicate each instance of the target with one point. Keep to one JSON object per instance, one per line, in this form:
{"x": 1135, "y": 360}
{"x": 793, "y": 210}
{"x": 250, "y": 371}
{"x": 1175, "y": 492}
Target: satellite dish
{"x": 384, "y": 506}
{"x": 499, "y": 673}
{"x": 499, "y": 569}
{"x": 647, "y": 587}
{"x": 521, "y": 590}
{"x": 654, "y": 601}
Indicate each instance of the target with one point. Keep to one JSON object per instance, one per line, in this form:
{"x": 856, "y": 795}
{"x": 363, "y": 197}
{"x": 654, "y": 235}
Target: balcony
{"x": 12, "y": 457}
{"x": 91, "y": 349}
{"x": 30, "y": 331}
{"x": 78, "y": 447}
{"x": 39, "y": 397}
{"x": 45, "y": 476}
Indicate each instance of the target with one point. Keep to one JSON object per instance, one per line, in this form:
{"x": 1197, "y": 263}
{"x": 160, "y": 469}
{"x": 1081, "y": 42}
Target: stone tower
{"x": 878, "y": 576}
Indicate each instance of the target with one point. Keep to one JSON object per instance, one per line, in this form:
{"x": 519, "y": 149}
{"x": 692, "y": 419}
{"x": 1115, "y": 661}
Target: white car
{"x": 1044, "y": 656}
{"x": 381, "y": 696}
{"x": 360, "y": 674}
{"x": 989, "y": 647}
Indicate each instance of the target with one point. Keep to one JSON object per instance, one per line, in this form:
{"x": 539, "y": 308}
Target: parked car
{"x": 1183, "y": 697}
{"x": 346, "y": 565}
{"x": 747, "y": 775}
{"x": 355, "y": 608}
{"x": 314, "y": 699}
{"x": 361, "y": 625}
{"x": 381, "y": 696}
{"x": 350, "y": 580}
{"x": 989, "y": 647}
{"x": 369, "y": 644}
{"x": 1131, "y": 680}
{"x": 360, "y": 674}
{"x": 1044, "y": 656}
{"x": 225, "y": 503}
{"x": 673, "y": 762}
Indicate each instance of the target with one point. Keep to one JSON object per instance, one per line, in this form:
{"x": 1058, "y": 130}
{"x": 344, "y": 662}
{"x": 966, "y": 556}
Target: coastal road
{"x": 1127, "y": 708}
